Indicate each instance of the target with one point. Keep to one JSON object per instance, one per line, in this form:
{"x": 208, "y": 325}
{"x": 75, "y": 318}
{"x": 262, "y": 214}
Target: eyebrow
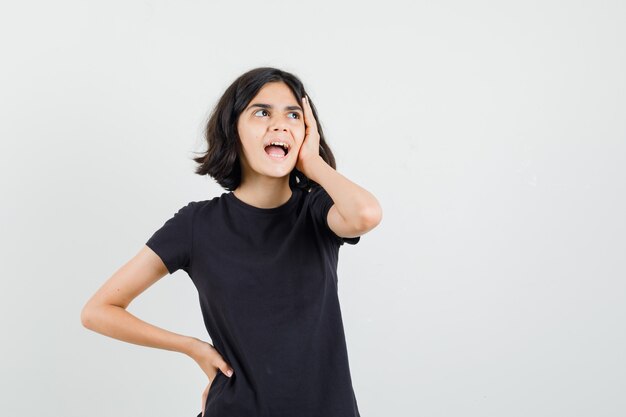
{"x": 269, "y": 106}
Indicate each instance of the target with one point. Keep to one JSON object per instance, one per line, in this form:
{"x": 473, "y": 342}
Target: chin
{"x": 278, "y": 170}
{"x": 278, "y": 175}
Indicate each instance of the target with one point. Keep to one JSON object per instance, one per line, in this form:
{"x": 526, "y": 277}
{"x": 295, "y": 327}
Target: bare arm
{"x": 105, "y": 312}
{"x": 356, "y": 211}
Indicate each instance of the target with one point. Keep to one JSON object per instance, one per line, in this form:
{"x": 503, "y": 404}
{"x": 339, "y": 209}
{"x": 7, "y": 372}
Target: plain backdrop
{"x": 492, "y": 133}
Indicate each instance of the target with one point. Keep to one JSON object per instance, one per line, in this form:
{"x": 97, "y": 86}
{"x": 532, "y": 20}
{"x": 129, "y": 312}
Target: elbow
{"x": 371, "y": 217}
{"x": 89, "y": 316}
{"x": 86, "y": 317}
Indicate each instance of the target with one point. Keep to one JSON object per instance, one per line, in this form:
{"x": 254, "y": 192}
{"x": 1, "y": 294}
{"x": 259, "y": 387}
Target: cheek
{"x": 245, "y": 143}
{"x": 299, "y": 133}
{"x": 249, "y": 136}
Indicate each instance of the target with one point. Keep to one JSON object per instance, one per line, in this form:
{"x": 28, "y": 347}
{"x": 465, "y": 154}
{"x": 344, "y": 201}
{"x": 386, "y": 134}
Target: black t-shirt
{"x": 268, "y": 290}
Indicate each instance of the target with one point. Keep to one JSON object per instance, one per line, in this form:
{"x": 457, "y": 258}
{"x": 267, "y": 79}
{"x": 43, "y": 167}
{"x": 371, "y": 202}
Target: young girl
{"x": 262, "y": 256}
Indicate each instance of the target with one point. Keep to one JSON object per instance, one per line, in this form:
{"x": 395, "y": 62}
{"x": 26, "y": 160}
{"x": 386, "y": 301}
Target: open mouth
{"x": 277, "y": 150}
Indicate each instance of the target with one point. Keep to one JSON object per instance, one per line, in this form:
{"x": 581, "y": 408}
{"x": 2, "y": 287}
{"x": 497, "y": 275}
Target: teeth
{"x": 284, "y": 145}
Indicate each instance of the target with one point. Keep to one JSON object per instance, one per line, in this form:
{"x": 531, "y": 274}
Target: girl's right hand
{"x": 211, "y": 362}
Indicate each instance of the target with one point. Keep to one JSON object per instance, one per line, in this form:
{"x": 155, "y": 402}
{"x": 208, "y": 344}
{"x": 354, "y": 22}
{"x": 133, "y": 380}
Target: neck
{"x": 264, "y": 192}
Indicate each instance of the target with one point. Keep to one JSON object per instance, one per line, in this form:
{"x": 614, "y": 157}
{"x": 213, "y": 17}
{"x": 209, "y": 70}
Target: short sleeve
{"x": 173, "y": 241}
{"x": 320, "y": 204}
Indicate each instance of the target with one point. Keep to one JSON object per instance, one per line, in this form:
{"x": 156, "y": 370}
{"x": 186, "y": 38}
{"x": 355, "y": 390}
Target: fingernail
{"x": 229, "y": 372}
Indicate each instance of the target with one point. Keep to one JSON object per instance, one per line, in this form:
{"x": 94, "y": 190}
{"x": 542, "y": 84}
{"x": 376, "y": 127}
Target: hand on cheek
{"x": 309, "y": 149}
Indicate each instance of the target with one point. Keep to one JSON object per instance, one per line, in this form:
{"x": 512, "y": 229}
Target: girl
{"x": 262, "y": 256}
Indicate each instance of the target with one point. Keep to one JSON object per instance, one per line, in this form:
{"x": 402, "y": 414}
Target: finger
{"x": 308, "y": 114}
{"x": 307, "y": 106}
{"x": 305, "y": 109}
{"x": 226, "y": 370}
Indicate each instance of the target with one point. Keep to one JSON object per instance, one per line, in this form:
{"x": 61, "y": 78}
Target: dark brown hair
{"x": 221, "y": 160}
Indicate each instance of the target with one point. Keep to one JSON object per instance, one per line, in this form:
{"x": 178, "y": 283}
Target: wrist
{"x": 312, "y": 167}
{"x": 191, "y": 347}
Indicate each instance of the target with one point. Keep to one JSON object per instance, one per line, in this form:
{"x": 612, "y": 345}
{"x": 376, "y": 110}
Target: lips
{"x": 277, "y": 149}
{"x": 282, "y": 143}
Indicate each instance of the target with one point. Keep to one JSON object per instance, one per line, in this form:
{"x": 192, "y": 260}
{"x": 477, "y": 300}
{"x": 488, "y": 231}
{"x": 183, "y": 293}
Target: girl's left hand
{"x": 310, "y": 148}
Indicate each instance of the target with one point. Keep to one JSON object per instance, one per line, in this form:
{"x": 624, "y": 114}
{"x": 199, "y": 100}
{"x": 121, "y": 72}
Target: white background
{"x": 492, "y": 133}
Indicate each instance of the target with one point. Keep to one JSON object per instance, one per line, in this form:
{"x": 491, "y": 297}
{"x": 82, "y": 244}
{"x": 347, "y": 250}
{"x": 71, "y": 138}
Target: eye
{"x": 293, "y": 112}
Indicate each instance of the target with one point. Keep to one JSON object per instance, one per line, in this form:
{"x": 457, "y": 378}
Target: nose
{"x": 278, "y": 124}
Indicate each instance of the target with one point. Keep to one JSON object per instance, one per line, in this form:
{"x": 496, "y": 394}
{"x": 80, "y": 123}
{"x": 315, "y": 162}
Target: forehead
{"x": 275, "y": 92}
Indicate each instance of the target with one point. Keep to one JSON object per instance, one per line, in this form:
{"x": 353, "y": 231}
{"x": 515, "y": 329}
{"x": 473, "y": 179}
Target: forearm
{"x": 118, "y": 323}
{"x": 355, "y": 204}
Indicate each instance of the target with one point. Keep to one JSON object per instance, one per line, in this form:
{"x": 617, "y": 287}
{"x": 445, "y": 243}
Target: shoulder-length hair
{"x": 221, "y": 160}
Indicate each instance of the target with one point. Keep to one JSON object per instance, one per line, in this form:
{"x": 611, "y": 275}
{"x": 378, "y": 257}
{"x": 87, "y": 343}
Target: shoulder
{"x": 318, "y": 199}
{"x": 320, "y": 204}
{"x": 316, "y": 192}
{"x": 207, "y": 209}
{"x": 208, "y": 204}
